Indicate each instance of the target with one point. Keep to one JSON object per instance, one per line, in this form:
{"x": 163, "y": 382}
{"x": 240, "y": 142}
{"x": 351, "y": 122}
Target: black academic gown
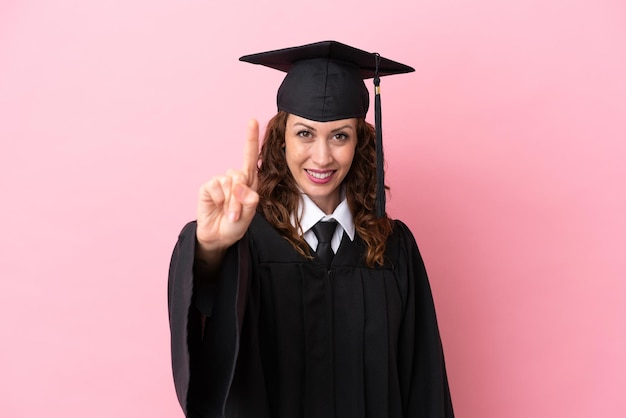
{"x": 286, "y": 338}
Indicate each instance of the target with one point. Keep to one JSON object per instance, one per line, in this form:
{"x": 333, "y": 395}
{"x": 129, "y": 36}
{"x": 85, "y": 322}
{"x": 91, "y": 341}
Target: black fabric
{"x": 324, "y": 80}
{"x": 285, "y": 58}
{"x": 285, "y": 337}
{"x": 324, "y": 232}
{"x": 323, "y": 90}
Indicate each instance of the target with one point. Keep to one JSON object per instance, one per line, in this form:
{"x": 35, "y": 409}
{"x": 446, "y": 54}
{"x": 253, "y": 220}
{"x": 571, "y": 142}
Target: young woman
{"x": 290, "y": 296}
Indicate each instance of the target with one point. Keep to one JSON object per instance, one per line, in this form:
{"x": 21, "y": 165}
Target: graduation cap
{"x": 324, "y": 82}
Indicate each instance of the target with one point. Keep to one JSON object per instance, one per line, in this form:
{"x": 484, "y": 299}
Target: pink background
{"x": 505, "y": 152}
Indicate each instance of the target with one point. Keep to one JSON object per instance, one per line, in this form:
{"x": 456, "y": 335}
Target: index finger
{"x": 251, "y": 152}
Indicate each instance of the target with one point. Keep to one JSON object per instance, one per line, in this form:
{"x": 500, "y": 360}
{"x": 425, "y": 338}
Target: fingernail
{"x": 232, "y": 216}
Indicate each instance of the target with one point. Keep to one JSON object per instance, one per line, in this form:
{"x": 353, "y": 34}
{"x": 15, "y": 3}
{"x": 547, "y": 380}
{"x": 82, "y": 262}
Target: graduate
{"x": 293, "y": 294}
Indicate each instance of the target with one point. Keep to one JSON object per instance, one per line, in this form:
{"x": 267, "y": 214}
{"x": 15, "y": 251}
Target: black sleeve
{"x": 203, "y": 360}
{"x": 423, "y": 370}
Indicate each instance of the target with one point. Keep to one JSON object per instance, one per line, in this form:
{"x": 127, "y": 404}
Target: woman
{"x": 271, "y": 316}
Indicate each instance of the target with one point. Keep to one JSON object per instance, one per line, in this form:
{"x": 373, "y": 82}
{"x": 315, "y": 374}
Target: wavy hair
{"x": 280, "y": 196}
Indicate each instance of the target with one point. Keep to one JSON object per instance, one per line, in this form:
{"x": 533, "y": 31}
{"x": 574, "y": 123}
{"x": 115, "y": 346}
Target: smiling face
{"x": 319, "y": 156}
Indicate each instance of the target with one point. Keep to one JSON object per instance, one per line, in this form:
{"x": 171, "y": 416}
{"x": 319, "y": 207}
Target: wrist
{"x": 209, "y": 254}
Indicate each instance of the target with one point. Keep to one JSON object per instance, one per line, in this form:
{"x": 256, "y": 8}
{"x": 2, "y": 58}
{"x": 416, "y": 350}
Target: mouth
{"x": 319, "y": 176}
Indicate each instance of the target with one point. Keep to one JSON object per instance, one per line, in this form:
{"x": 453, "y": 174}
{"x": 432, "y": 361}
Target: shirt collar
{"x": 311, "y": 214}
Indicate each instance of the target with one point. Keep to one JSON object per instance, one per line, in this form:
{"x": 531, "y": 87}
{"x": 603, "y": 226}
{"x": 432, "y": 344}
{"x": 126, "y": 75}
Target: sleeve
{"x": 426, "y": 392}
{"x": 205, "y": 322}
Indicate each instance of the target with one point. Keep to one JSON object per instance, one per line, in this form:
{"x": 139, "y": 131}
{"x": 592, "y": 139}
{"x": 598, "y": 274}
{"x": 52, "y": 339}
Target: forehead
{"x": 293, "y": 120}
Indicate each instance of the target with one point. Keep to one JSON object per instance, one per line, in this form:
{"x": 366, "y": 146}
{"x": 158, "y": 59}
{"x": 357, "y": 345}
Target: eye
{"x": 341, "y": 136}
{"x": 304, "y": 134}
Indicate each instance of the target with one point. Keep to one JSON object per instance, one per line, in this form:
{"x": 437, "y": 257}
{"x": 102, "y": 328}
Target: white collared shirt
{"x": 311, "y": 214}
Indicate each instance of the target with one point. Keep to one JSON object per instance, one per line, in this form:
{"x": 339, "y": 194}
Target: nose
{"x": 321, "y": 153}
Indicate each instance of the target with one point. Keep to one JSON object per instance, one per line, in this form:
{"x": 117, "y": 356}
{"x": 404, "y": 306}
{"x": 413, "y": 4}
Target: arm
{"x": 202, "y": 264}
{"x": 204, "y": 354}
{"x": 426, "y": 392}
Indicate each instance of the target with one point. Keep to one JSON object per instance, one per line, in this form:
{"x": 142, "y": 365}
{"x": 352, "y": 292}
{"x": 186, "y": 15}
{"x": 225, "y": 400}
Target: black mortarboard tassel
{"x": 324, "y": 82}
{"x": 381, "y": 196}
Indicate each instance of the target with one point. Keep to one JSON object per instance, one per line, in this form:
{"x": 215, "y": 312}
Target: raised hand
{"x": 227, "y": 203}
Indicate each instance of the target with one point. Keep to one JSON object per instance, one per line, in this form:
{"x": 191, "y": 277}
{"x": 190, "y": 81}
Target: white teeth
{"x": 320, "y": 176}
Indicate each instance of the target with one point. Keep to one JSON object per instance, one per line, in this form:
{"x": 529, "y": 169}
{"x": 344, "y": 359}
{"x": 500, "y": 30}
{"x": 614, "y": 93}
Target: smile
{"x": 320, "y": 176}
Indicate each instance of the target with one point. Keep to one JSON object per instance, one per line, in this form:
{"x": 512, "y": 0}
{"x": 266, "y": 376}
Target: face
{"x": 319, "y": 156}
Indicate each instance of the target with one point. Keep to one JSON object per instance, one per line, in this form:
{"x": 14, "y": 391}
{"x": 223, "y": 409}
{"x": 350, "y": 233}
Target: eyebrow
{"x": 313, "y": 129}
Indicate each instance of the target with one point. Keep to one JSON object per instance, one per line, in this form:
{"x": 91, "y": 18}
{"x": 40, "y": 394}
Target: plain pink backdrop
{"x": 505, "y": 153}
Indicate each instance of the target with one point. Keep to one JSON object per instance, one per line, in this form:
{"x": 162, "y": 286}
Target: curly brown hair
{"x": 280, "y": 197}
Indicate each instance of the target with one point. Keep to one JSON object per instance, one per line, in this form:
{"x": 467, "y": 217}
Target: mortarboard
{"x": 324, "y": 82}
